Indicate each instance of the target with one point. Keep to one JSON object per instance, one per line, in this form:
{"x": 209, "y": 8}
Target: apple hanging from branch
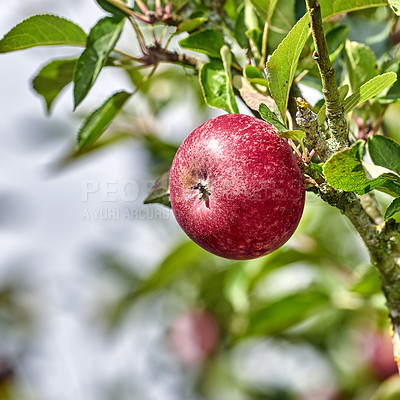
{"x": 236, "y": 189}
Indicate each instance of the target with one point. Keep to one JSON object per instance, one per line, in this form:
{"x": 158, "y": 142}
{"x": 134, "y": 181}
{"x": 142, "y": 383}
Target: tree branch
{"x": 383, "y": 248}
{"x": 314, "y": 138}
{"x": 334, "y": 109}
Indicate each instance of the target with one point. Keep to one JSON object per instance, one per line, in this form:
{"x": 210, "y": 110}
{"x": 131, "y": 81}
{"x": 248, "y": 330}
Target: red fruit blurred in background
{"x": 194, "y": 336}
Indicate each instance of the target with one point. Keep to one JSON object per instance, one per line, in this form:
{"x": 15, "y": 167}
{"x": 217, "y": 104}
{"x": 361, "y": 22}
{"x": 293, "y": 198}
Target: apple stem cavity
{"x": 204, "y": 192}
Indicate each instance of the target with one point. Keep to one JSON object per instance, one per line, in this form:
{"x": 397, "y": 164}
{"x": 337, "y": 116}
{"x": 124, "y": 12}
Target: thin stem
{"x": 127, "y": 56}
{"x": 145, "y": 79}
{"x": 380, "y": 120}
{"x": 169, "y": 40}
{"x": 334, "y": 109}
{"x": 139, "y": 36}
{"x": 123, "y": 7}
{"x": 301, "y": 76}
{"x": 159, "y": 9}
{"x": 261, "y": 64}
{"x": 142, "y": 6}
{"x": 162, "y": 35}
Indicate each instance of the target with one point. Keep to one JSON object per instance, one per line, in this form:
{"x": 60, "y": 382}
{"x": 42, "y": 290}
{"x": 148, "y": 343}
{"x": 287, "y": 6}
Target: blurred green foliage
{"x": 316, "y": 301}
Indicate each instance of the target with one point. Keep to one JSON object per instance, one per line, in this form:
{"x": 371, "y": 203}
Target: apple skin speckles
{"x": 236, "y": 189}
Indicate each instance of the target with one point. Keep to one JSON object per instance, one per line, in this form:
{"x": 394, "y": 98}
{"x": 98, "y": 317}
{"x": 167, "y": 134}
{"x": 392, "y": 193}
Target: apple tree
{"x": 267, "y": 59}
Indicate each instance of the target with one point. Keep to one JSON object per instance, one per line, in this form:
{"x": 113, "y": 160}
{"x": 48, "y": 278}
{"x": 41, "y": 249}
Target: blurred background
{"x": 104, "y": 298}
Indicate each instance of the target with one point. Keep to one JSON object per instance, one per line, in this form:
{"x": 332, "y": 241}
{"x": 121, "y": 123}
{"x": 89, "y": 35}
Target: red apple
{"x": 379, "y": 348}
{"x": 236, "y": 189}
{"x": 194, "y": 336}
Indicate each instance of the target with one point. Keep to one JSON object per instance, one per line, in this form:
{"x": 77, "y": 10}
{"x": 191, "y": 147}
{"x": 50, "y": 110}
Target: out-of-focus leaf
{"x": 241, "y": 28}
{"x": 368, "y": 284}
{"x": 207, "y": 41}
{"x": 101, "y": 41}
{"x": 345, "y": 171}
{"x": 217, "y": 88}
{"x": 394, "y": 207}
{"x": 161, "y": 151}
{"x": 263, "y": 7}
{"x": 117, "y": 12}
{"x": 369, "y": 90}
{"x": 52, "y": 78}
{"x": 395, "y": 6}
{"x": 247, "y": 27}
{"x": 330, "y": 8}
{"x": 284, "y": 313}
{"x": 255, "y": 41}
{"x": 185, "y": 256}
{"x": 388, "y": 390}
{"x": 160, "y": 191}
{"x": 336, "y": 39}
{"x": 281, "y": 67}
{"x": 43, "y": 30}
{"x": 281, "y": 23}
{"x": 191, "y": 24}
{"x": 98, "y": 121}
{"x": 178, "y": 4}
{"x": 252, "y": 97}
{"x": 361, "y": 64}
{"x": 253, "y": 75}
{"x": 384, "y": 152}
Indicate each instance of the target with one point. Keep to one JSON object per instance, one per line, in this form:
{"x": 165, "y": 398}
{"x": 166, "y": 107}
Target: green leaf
{"x": 271, "y": 118}
{"x": 101, "y": 41}
{"x": 241, "y": 28}
{"x": 368, "y": 284}
{"x": 330, "y": 8}
{"x": 391, "y": 188}
{"x": 255, "y": 41}
{"x": 160, "y": 191}
{"x": 98, "y": 121}
{"x": 251, "y": 72}
{"x": 178, "y": 4}
{"x": 384, "y": 152}
{"x": 297, "y": 135}
{"x": 207, "y": 41}
{"x": 345, "y": 171}
{"x": 395, "y": 6}
{"x": 252, "y": 97}
{"x": 191, "y": 24}
{"x": 52, "y": 78}
{"x": 284, "y": 313}
{"x": 394, "y": 207}
{"x": 361, "y": 64}
{"x": 250, "y": 15}
{"x": 253, "y": 75}
{"x": 247, "y": 28}
{"x": 43, "y": 30}
{"x": 336, "y": 39}
{"x": 282, "y": 21}
{"x": 117, "y": 12}
{"x": 369, "y": 90}
{"x": 281, "y": 67}
{"x": 263, "y": 7}
{"x": 216, "y": 83}
{"x": 185, "y": 256}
